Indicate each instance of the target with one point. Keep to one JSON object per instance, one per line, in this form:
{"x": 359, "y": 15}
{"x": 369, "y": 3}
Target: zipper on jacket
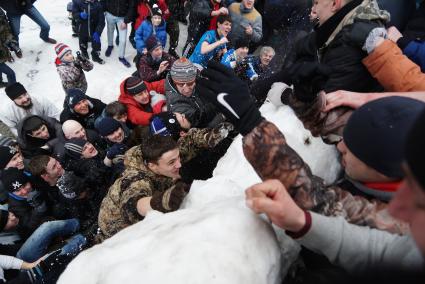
{"x": 88, "y": 19}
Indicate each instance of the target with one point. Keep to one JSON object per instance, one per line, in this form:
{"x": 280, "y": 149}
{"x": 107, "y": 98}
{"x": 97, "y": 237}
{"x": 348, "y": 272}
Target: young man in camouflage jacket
{"x": 152, "y": 178}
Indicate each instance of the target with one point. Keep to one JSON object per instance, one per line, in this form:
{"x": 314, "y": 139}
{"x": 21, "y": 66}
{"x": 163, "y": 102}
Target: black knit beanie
{"x": 74, "y": 147}
{"x": 107, "y": 125}
{"x": 376, "y": 132}
{"x": 13, "y": 179}
{"x": 6, "y": 154}
{"x": 165, "y": 124}
{"x": 14, "y": 90}
{"x": 415, "y": 152}
{"x": 134, "y": 85}
{"x": 4, "y": 216}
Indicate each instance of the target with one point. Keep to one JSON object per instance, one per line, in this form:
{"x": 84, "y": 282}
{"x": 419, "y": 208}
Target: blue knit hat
{"x": 165, "y": 124}
{"x": 107, "y": 125}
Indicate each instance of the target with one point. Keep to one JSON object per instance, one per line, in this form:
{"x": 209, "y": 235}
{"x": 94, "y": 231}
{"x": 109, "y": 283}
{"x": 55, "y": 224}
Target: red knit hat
{"x": 61, "y": 49}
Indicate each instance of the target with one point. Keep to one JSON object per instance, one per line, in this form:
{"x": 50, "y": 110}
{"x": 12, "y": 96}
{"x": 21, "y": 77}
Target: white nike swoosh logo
{"x": 220, "y": 99}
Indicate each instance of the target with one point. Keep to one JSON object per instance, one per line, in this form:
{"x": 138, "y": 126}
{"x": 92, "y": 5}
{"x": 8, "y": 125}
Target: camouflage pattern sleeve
{"x": 266, "y": 149}
{"x": 198, "y": 138}
{"x": 131, "y": 194}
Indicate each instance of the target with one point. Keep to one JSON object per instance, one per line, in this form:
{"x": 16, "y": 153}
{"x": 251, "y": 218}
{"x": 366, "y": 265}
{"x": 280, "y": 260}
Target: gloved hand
{"x": 84, "y": 15}
{"x": 156, "y": 98}
{"x": 96, "y": 37}
{"x": 170, "y": 199}
{"x": 365, "y": 33}
{"x": 35, "y": 199}
{"x": 230, "y": 95}
{"x": 308, "y": 78}
{"x": 116, "y": 149}
{"x": 278, "y": 93}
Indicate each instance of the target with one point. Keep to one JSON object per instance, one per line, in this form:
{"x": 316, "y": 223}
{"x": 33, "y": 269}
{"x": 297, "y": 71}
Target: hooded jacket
{"x": 199, "y": 112}
{"x": 31, "y": 146}
{"x": 138, "y": 114}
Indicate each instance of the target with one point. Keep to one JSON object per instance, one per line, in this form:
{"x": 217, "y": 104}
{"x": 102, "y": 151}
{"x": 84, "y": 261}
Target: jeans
{"x": 33, "y": 14}
{"x": 36, "y": 245}
{"x": 11, "y": 78}
{"x": 111, "y": 20}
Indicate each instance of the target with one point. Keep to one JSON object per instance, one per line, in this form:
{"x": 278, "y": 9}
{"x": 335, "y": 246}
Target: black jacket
{"x": 87, "y": 121}
{"x": 96, "y": 18}
{"x": 199, "y": 18}
{"x": 16, "y": 7}
{"x": 120, "y": 8}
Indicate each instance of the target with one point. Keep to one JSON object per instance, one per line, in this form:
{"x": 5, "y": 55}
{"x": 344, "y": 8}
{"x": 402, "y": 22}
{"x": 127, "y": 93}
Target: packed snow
{"x": 214, "y": 237}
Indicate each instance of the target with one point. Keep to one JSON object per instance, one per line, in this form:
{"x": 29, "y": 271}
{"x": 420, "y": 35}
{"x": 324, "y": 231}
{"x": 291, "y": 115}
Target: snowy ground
{"x": 214, "y": 237}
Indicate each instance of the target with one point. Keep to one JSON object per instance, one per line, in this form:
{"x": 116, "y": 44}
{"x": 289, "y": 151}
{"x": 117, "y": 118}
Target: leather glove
{"x": 84, "y": 15}
{"x": 219, "y": 85}
{"x": 171, "y": 199}
{"x": 96, "y": 37}
{"x": 35, "y": 199}
{"x": 308, "y": 78}
{"x": 116, "y": 149}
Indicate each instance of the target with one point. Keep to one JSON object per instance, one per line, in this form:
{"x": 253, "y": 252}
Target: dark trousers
{"x": 173, "y": 31}
{"x": 10, "y": 74}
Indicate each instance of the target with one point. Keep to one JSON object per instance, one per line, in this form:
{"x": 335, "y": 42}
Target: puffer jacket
{"x": 266, "y": 149}
{"x": 72, "y": 74}
{"x": 120, "y": 8}
{"x": 393, "y": 70}
{"x": 198, "y": 111}
{"x": 140, "y": 114}
{"x": 144, "y": 11}
{"x": 145, "y": 30}
{"x": 119, "y": 207}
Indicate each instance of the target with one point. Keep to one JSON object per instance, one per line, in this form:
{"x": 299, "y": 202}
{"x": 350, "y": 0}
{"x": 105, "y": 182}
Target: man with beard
{"x": 156, "y": 64}
{"x": 23, "y": 105}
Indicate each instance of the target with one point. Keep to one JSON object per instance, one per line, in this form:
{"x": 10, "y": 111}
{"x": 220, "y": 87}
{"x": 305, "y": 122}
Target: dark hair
{"x": 115, "y": 108}
{"x": 155, "y": 146}
{"x": 223, "y": 18}
{"x": 138, "y": 135}
{"x": 37, "y": 165}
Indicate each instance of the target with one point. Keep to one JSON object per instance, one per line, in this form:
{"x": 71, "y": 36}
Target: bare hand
{"x": 223, "y": 11}
{"x": 344, "y": 98}
{"x": 270, "y": 197}
{"x": 123, "y": 26}
{"x": 145, "y": 51}
{"x": 163, "y": 66}
{"x": 249, "y": 30}
{"x": 27, "y": 266}
{"x": 393, "y": 34}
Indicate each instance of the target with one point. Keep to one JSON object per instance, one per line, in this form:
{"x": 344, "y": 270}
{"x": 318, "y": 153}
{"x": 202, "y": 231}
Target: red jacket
{"x": 139, "y": 114}
{"x": 143, "y": 11}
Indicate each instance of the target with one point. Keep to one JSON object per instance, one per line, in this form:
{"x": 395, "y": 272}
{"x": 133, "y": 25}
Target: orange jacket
{"x": 394, "y": 71}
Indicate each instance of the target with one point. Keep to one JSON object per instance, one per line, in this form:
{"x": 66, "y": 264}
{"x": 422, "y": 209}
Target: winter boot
{"x": 95, "y": 57}
{"x": 85, "y": 54}
{"x": 124, "y": 61}
{"x": 109, "y": 51}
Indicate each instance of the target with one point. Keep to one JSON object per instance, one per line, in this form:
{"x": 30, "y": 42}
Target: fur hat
{"x": 414, "y": 149}
{"x": 376, "y": 132}
{"x": 13, "y": 179}
{"x": 107, "y": 125}
{"x": 14, "y": 90}
{"x": 135, "y": 85}
{"x": 165, "y": 124}
{"x": 6, "y": 154}
{"x": 183, "y": 71}
{"x": 74, "y": 147}
{"x": 152, "y": 42}
{"x": 61, "y": 49}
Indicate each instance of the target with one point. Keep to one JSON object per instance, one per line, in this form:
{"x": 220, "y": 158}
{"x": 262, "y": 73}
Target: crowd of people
{"x": 75, "y": 176}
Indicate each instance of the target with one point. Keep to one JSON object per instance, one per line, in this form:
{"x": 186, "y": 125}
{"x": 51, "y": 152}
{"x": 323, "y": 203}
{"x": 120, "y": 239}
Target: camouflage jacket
{"x": 266, "y": 149}
{"x": 5, "y": 38}
{"x": 72, "y": 74}
{"x": 119, "y": 207}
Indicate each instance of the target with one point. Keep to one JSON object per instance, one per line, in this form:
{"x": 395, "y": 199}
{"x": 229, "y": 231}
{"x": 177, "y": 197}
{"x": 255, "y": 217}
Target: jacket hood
{"x": 26, "y": 141}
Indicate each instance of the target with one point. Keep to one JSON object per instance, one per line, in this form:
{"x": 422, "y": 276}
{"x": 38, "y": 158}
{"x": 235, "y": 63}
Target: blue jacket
{"x": 415, "y": 50}
{"x": 146, "y": 30}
